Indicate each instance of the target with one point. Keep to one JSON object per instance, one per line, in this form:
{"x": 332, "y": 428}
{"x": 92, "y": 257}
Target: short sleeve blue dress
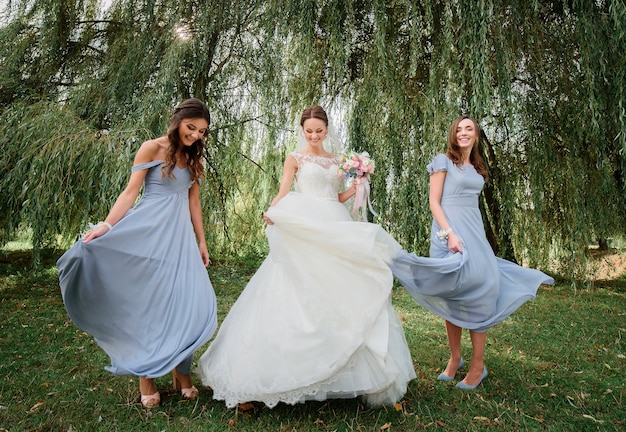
{"x": 474, "y": 290}
{"x": 141, "y": 290}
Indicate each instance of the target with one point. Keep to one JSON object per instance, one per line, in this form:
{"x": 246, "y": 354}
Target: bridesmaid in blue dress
{"x": 463, "y": 281}
{"x": 138, "y": 282}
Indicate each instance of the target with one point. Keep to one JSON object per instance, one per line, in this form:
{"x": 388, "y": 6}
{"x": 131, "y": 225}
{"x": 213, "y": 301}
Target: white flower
{"x": 443, "y": 234}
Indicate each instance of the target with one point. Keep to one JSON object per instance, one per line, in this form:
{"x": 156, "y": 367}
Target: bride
{"x": 315, "y": 322}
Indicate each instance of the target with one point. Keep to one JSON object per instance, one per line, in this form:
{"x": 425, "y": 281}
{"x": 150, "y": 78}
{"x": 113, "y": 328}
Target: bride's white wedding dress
{"x": 315, "y": 322}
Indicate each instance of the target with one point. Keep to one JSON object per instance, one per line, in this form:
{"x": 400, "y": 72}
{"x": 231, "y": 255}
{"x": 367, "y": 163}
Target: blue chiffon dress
{"x": 474, "y": 289}
{"x": 141, "y": 290}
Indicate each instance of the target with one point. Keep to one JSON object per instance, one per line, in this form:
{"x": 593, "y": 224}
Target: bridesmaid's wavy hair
{"x": 454, "y": 152}
{"x": 188, "y": 109}
{"x": 314, "y": 111}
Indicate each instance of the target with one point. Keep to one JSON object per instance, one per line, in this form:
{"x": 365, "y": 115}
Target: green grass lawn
{"x": 558, "y": 364}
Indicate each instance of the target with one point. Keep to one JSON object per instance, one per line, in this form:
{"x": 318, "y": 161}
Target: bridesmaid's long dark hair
{"x": 188, "y": 109}
{"x": 454, "y": 152}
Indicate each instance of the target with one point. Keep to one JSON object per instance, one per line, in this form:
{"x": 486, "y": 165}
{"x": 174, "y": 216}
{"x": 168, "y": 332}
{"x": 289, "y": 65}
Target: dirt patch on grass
{"x": 608, "y": 265}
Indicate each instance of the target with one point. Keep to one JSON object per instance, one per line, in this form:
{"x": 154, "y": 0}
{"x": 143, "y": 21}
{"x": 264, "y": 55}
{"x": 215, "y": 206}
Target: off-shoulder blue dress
{"x": 141, "y": 290}
{"x": 474, "y": 289}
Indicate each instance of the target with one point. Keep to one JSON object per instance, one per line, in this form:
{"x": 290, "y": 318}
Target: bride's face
{"x": 315, "y": 131}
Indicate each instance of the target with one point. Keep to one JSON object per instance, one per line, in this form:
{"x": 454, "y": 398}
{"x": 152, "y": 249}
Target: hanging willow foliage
{"x": 82, "y": 85}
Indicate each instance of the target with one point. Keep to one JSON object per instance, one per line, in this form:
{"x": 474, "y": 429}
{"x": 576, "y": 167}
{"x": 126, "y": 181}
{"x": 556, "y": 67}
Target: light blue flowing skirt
{"x": 141, "y": 290}
{"x": 474, "y": 289}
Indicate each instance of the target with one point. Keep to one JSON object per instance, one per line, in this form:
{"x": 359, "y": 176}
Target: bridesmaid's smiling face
{"x": 191, "y": 130}
{"x": 466, "y": 135}
{"x": 315, "y": 131}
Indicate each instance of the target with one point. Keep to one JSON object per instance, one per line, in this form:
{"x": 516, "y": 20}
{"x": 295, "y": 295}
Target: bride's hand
{"x": 267, "y": 220}
{"x": 355, "y": 185}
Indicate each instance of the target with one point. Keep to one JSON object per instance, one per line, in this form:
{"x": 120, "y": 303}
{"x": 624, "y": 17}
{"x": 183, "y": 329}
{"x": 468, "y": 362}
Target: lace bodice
{"x": 317, "y": 176}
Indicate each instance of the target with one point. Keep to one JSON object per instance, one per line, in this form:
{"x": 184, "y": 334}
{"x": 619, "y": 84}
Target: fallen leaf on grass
{"x": 34, "y": 407}
{"x": 385, "y": 426}
{"x": 245, "y": 406}
{"x": 318, "y": 421}
{"x": 482, "y": 419}
{"x": 398, "y": 406}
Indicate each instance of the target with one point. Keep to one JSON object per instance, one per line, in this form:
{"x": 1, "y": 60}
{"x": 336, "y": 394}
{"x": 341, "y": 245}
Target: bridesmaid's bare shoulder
{"x": 154, "y": 149}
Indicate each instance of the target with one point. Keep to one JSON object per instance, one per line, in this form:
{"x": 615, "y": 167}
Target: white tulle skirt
{"x": 315, "y": 321}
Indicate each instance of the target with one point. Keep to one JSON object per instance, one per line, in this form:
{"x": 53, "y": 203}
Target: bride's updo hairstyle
{"x": 316, "y": 112}
{"x": 188, "y": 109}
{"x": 332, "y": 143}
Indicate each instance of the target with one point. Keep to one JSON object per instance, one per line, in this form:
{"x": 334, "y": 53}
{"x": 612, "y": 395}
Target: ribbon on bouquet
{"x": 362, "y": 199}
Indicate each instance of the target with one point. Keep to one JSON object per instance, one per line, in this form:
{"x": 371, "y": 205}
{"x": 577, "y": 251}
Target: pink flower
{"x": 355, "y": 165}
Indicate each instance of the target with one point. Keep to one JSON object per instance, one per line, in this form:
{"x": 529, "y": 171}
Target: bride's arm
{"x": 345, "y": 195}
{"x": 289, "y": 172}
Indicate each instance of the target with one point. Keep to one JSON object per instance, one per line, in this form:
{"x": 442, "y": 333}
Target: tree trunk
{"x": 497, "y": 230}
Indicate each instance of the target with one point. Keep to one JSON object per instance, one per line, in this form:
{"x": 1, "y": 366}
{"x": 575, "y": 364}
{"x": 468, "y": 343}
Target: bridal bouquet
{"x": 355, "y": 165}
{"x": 358, "y": 167}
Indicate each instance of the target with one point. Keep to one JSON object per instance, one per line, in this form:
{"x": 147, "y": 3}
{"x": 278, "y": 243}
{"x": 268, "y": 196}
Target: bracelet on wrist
{"x": 99, "y": 224}
{"x": 443, "y": 234}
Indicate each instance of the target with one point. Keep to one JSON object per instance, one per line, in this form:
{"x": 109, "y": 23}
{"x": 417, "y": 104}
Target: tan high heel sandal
{"x": 187, "y": 393}
{"x": 149, "y": 400}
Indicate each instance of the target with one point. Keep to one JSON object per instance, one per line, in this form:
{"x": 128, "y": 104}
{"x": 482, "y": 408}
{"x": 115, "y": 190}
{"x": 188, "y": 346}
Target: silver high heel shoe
{"x": 443, "y": 377}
